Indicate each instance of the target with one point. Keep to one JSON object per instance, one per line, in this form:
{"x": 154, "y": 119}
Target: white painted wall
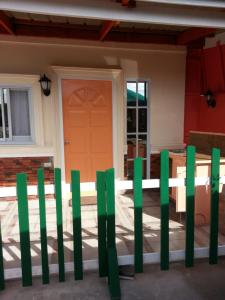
{"x": 164, "y": 66}
{"x": 212, "y": 41}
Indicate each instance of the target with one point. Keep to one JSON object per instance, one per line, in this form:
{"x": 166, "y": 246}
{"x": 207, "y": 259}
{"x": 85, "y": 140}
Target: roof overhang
{"x": 151, "y": 12}
{"x": 201, "y": 3}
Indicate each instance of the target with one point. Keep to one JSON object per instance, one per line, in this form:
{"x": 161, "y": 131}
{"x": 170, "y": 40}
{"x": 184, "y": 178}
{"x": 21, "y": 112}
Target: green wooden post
{"x": 21, "y": 185}
{"x": 77, "y": 231}
{"x": 59, "y": 220}
{"x": 2, "y": 278}
{"x": 101, "y": 208}
{"x": 113, "y": 272}
{"x": 110, "y": 200}
{"x": 114, "y": 280}
{"x": 43, "y": 231}
{"x": 138, "y": 204}
{"x": 190, "y": 206}
{"x": 164, "y": 200}
{"x": 214, "y": 217}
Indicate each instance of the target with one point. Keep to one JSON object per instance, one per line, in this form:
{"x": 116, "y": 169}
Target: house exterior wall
{"x": 164, "y": 67}
{"x": 205, "y": 71}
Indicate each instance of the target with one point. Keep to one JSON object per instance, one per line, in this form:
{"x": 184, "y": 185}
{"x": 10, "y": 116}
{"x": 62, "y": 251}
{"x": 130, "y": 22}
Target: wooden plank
{"x": 89, "y": 32}
{"x": 214, "y": 216}
{"x": 21, "y": 185}
{"x": 43, "y": 230}
{"x": 164, "y": 202}
{"x": 106, "y": 27}
{"x": 190, "y": 206}
{"x": 2, "y": 275}
{"x": 101, "y": 209}
{"x": 110, "y": 200}
{"x": 193, "y": 34}
{"x": 59, "y": 220}
{"x": 138, "y": 205}
{"x": 113, "y": 279}
{"x": 205, "y": 141}
{"x": 6, "y": 23}
{"x": 77, "y": 229}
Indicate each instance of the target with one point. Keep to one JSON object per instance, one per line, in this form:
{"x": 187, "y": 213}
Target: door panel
{"x": 87, "y": 120}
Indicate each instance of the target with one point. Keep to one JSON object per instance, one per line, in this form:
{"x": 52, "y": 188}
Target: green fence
{"x": 107, "y": 253}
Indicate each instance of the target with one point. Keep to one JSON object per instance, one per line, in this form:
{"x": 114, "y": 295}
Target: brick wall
{"x": 155, "y": 166}
{"x": 9, "y": 167}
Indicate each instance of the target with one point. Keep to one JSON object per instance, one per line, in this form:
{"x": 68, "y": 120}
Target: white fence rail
{"x": 119, "y": 186}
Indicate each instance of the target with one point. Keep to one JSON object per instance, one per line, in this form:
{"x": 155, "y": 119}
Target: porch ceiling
{"x": 38, "y": 24}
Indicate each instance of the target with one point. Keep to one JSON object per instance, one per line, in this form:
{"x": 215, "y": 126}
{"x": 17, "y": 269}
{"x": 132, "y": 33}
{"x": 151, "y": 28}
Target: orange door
{"x": 87, "y": 120}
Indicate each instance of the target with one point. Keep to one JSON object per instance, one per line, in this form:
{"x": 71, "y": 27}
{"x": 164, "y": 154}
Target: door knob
{"x": 66, "y": 142}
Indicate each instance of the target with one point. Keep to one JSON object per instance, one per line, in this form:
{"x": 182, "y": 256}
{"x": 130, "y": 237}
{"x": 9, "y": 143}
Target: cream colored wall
{"x": 164, "y": 67}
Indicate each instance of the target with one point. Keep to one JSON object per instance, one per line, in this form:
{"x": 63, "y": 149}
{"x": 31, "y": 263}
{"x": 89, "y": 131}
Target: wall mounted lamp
{"x": 210, "y": 100}
{"x": 45, "y": 83}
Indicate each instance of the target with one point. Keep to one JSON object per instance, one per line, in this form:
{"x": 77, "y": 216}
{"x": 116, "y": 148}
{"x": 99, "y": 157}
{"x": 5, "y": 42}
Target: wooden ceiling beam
{"x": 6, "y": 23}
{"x": 129, "y": 3}
{"x": 192, "y": 35}
{"x": 106, "y": 27}
{"x": 125, "y": 2}
{"x": 87, "y": 32}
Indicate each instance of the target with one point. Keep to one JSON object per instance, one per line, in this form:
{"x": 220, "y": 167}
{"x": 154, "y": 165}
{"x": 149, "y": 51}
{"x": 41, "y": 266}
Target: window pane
{"x": 5, "y": 101}
{"x": 131, "y": 120}
{"x": 142, "y": 120}
{"x": 142, "y": 145}
{"x": 142, "y": 100}
{"x": 131, "y": 146}
{"x": 131, "y": 93}
{"x": 1, "y": 112}
{"x": 20, "y": 113}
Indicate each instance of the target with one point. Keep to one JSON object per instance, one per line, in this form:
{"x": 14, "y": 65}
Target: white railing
{"x": 119, "y": 186}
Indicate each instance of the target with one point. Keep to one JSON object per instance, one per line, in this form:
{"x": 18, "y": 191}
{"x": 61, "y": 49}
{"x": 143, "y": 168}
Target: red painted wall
{"x": 205, "y": 69}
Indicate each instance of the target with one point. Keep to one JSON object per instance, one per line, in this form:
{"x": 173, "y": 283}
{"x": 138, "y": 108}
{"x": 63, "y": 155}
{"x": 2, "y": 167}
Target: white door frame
{"x": 113, "y": 75}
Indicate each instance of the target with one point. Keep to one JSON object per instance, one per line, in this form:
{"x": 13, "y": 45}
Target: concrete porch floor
{"x": 124, "y": 229}
{"x": 202, "y": 282}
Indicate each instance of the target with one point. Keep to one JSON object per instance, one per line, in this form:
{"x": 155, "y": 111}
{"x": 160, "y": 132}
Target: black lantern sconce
{"x": 45, "y": 83}
{"x": 210, "y": 100}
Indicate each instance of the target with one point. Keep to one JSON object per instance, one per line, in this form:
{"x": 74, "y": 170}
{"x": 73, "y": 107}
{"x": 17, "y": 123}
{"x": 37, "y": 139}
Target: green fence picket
{"x": 113, "y": 270}
{"x": 114, "y": 280}
{"x": 2, "y": 278}
{"x": 21, "y": 185}
{"x": 214, "y": 216}
{"x": 164, "y": 202}
{"x": 59, "y": 220}
{"x": 138, "y": 204}
{"x": 101, "y": 208}
{"x": 77, "y": 231}
{"x": 190, "y": 206}
{"x": 43, "y": 231}
{"x": 110, "y": 202}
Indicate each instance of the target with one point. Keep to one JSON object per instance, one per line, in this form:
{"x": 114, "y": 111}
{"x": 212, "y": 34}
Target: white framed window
{"x": 137, "y": 133}
{"x": 15, "y": 115}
